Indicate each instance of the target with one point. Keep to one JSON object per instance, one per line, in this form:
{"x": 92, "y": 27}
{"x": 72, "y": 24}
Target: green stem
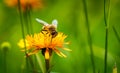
{"x": 89, "y": 36}
{"x": 30, "y": 30}
{"x": 32, "y": 64}
{"x": 22, "y": 26}
{"x": 105, "y": 13}
{"x": 40, "y": 63}
{"x": 47, "y": 61}
{"x": 106, "y": 50}
{"x": 26, "y": 21}
{"x": 106, "y": 20}
{"x": 23, "y": 35}
{"x": 22, "y": 29}
{"x": 116, "y": 34}
{"x": 5, "y": 61}
{"x": 29, "y": 17}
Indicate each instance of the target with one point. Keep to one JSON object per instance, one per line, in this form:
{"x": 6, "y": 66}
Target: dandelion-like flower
{"x": 47, "y": 41}
{"x": 25, "y": 4}
{"x": 44, "y": 42}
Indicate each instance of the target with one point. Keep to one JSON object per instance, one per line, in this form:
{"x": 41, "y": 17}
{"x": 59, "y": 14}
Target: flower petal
{"x": 33, "y": 52}
{"x": 47, "y": 55}
{"x": 59, "y": 53}
{"x": 66, "y": 49}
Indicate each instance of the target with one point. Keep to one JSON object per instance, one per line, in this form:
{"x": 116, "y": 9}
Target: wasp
{"x": 49, "y": 28}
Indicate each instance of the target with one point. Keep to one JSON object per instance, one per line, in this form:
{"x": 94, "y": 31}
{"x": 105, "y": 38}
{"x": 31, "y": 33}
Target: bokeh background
{"x": 71, "y": 21}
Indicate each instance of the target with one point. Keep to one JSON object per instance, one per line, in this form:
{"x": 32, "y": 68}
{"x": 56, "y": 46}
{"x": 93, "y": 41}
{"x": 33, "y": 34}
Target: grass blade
{"x": 116, "y": 33}
{"x": 40, "y": 63}
{"x": 89, "y": 36}
{"x": 106, "y": 20}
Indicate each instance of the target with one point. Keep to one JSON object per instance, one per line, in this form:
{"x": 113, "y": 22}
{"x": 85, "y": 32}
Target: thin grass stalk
{"x": 32, "y": 64}
{"x": 26, "y": 20}
{"x": 106, "y": 51}
{"x": 27, "y": 17}
{"x": 5, "y": 61}
{"x": 40, "y": 63}
{"x": 89, "y": 35}
{"x": 22, "y": 25}
{"x": 23, "y": 31}
{"x": 30, "y": 30}
{"x": 30, "y": 21}
{"x": 116, "y": 33}
{"x": 106, "y": 20}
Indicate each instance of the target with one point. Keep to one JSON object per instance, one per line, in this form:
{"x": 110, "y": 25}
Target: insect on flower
{"x": 48, "y": 40}
{"x": 49, "y": 28}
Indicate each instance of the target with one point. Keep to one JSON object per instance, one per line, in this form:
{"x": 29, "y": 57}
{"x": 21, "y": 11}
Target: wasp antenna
{"x": 55, "y": 23}
{"x": 42, "y": 22}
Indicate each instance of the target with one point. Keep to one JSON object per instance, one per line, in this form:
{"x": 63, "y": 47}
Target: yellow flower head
{"x": 45, "y": 42}
{"x": 25, "y": 4}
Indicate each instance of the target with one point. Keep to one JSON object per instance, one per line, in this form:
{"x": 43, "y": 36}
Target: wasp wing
{"x": 42, "y": 22}
{"x": 55, "y": 23}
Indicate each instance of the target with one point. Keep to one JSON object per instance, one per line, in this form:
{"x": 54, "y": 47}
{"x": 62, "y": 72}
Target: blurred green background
{"x": 71, "y": 21}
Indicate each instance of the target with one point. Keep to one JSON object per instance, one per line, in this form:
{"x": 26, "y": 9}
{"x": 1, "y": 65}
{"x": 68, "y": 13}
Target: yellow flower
{"x": 46, "y": 43}
{"x": 115, "y": 68}
{"x": 25, "y": 4}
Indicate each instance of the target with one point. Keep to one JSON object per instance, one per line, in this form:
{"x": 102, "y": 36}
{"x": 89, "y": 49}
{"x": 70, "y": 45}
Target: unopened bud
{"x": 5, "y": 46}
